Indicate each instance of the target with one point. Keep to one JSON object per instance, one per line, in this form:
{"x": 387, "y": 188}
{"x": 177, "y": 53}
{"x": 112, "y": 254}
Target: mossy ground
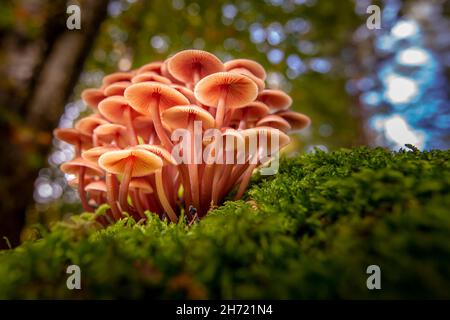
{"x": 308, "y": 232}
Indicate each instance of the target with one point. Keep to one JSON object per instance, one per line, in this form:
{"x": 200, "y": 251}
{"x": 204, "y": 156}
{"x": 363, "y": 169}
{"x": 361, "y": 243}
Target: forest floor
{"x": 310, "y": 231}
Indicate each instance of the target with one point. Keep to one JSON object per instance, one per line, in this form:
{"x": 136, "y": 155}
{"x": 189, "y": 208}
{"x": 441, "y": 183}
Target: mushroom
{"x": 150, "y": 76}
{"x": 276, "y": 100}
{"x": 145, "y": 129}
{"x": 251, "y": 112}
{"x": 184, "y": 117}
{"x": 92, "y": 97}
{"x": 116, "y": 88}
{"x": 93, "y": 154}
{"x": 151, "y": 67}
{"x": 117, "y": 109}
{"x": 225, "y": 90}
{"x": 117, "y": 77}
{"x": 234, "y": 149}
{"x": 87, "y": 126}
{"x": 166, "y": 159}
{"x": 259, "y": 83}
{"x": 189, "y": 66}
{"x": 73, "y": 137}
{"x": 112, "y": 133}
{"x": 132, "y": 162}
{"x": 274, "y": 121}
{"x": 96, "y": 189}
{"x": 298, "y": 121}
{"x": 140, "y": 187}
{"x": 82, "y": 167}
{"x": 152, "y": 98}
{"x": 252, "y": 66}
{"x": 258, "y": 135}
{"x": 188, "y": 93}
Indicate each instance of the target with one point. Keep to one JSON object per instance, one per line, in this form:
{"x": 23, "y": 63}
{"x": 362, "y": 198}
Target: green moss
{"x": 308, "y": 232}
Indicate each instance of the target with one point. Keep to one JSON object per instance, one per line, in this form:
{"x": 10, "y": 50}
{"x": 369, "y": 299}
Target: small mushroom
{"x": 252, "y": 66}
{"x": 151, "y": 67}
{"x": 166, "y": 159}
{"x": 189, "y": 66}
{"x": 274, "y": 121}
{"x": 150, "y": 76}
{"x": 260, "y": 134}
{"x": 116, "y": 88}
{"x": 132, "y": 162}
{"x": 73, "y": 137}
{"x": 117, "y": 110}
{"x": 117, "y": 77}
{"x": 276, "y": 100}
{"x": 225, "y": 90}
{"x": 112, "y": 133}
{"x": 251, "y": 112}
{"x": 298, "y": 121}
{"x": 151, "y": 98}
{"x": 82, "y": 167}
{"x": 92, "y": 97}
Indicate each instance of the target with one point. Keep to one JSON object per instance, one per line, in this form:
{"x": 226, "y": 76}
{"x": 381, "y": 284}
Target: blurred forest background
{"x": 382, "y": 87}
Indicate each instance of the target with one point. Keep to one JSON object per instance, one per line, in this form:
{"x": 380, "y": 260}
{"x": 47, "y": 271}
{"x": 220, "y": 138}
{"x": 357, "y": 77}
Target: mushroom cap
{"x": 253, "y": 111}
{"x": 154, "y": 66}
{"x": 188, "y": 93}
{"x": 268, "y": 132}
{"x": 165, "y": 72}
{"x": 274, "y": 121}
{"x": 161, "y": 152}
{"x": 73, "y": 166}
{"x": 71, "y": 136}
{"x": 98, "y": 185}
{"x": 184, "y": 64}
{"x": 238, "y": 89}
{"x": 150, "y": 76}
{"x": 179, "y": 116}
{"x": 88, "y": 124}
{"x": 93, "y": 154}
{"x": 116, "y": 77}
{"x": 116, "y": 88}
{"x": 113, "y": 108}
{"x": 252, "y": 66}
{"x": 276, "y": 100}
{"x": 297, "y": 120}
{"x": 259, "y": 83}
{"x": 92, "y": 97}
{"x": 142, "y": 184}
{"x": 145, "y": 162}
{"x": 142, "y": 95}
{"x": 108, "y": 132}
{"x": 74, "y": 181}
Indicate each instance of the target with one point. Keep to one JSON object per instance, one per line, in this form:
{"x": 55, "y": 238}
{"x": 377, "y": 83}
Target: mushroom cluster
{"x": 176, "y": 136}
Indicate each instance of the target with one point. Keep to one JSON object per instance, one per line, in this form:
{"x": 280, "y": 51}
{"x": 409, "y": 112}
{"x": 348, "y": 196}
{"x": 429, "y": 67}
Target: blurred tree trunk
{"x": 37, "y": 76}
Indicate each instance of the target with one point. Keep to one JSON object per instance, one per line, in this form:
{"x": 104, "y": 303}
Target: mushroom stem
{"x": 81, "y": 192}
{"x": 221, "y": 109}
{"x": 163, "y": 198}
{"x": 243, "y": 122}
{"x": 124, "y": 185}
{"x": 130, "y": 127}
{"x": 193, "y": 168}
{"x": 137, "y": 202}
{"x": 111, "y": 195}
{"x": 247, "y": 175}
{"x": 162, "y": 135}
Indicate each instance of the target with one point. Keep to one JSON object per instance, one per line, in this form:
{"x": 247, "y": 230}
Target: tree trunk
{"x": 32, "y": 105}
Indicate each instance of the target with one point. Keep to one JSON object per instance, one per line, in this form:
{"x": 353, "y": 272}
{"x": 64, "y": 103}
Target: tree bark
{"x": 31, "y": 107}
